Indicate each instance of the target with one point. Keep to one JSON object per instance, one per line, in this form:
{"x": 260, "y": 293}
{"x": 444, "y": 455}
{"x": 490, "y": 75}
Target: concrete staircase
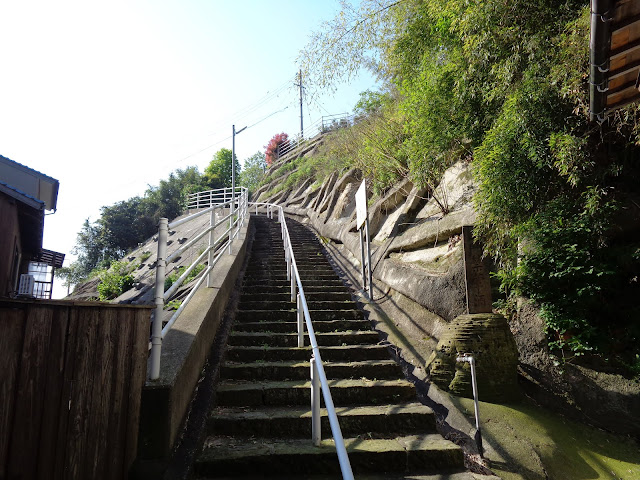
{"x": 261, "y": 425}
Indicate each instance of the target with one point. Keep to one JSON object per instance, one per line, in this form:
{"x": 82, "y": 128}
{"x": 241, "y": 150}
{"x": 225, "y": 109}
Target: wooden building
{"x": 25, "y": 195}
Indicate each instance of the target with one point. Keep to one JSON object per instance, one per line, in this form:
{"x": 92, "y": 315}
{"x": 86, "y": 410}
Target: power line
{"x": 227, "y": 138}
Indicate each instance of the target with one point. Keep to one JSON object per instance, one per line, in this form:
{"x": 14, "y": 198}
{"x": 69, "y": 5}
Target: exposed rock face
{"x": 487, "y": 337}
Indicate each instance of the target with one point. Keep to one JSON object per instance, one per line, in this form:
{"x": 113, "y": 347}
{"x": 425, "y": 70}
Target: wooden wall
{"x": 9, "y": 236}
{"x": 71, "y": 377}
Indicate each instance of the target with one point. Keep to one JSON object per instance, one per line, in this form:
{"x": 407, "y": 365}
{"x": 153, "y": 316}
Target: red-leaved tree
{"x": 271, "y": 148}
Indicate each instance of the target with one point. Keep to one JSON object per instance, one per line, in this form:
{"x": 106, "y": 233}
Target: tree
{"x": 271, "y": 148}
{"x": 169, "y": 198}
{"x": 253, "y": 171}
{"x": 70, "y": 275}
{"x": 218, "y": 172}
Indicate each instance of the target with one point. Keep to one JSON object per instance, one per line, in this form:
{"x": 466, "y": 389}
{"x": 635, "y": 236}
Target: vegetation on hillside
{"x": 503, "y": 85}
{"x": 124, "y": 225}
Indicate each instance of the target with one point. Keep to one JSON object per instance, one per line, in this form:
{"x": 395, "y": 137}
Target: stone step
{"x": 291, "y": 339}
{"x": 304, "y": 276}
{"x": 455, "y": 475}
{"x": 272, "y": 304}
{"x": 329, "y": 354}
{"x": 300, "y": 370}
{"x": 427, "y": 453}
{"x": 319, "y": 326}
{"x": 312, "y": 280}
{"x": 243, "y": 393}
{"x": 290, "y": 315}
{"x": 379, "y": 421}
{"x": 265, "y": 289}
{"x": 328, "y": 296}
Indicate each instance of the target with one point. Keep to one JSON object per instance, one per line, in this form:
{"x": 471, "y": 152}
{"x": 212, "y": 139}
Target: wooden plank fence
{"x": 71, "y": 377}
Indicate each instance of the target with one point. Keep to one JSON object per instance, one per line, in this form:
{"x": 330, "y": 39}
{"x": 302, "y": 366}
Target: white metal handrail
{"x": 318, "y": 376}
{"x": 208, "y": 198}
{"x": 217, "y": 247}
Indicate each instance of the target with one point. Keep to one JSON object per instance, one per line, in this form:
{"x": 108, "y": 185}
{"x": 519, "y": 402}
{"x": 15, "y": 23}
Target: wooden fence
{"x": 71, "y": 377}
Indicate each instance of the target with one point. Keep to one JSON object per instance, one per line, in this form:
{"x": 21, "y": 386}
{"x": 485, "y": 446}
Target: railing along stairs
{"x": 319, "y": 381}
{"x": 323, "y": 125}
{"x": 215, "y": 203}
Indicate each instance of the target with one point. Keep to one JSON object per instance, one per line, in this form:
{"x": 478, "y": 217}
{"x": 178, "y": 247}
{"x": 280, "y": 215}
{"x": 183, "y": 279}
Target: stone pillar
{"x": 487, "y": 337}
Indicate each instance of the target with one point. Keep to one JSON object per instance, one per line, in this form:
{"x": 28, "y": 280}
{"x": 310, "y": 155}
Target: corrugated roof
{"x": 29, "y": 182}
{"x": 21, "y": 196}
{"x": 8, "y": 161}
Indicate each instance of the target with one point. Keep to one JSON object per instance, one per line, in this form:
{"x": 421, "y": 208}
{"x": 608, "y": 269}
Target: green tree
{"x": 218, "y": 172}
{"x": 70, "y": 276}
{"x": 503, "y": 85}
{"x": 253, "y": 171}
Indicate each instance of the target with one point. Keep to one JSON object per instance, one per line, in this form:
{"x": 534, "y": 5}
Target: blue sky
{"x": 111, "y": 97}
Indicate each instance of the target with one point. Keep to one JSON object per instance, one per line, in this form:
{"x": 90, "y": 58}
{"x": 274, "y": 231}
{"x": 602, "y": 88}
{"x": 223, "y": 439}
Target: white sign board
{"x": 361, "y": 205}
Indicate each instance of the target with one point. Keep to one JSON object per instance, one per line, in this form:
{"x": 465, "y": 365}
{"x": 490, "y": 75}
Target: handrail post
{"x": 293, "y": 284}
{"x": 212, "y": 222}
{"x": 465, "y": 357}
{"x": 230, "y": 227}
{"x": 156, "y": 334}
{"x": 287, "y": 253}
{"x": 300, "y": 322}
{"x": 315, "y": 404}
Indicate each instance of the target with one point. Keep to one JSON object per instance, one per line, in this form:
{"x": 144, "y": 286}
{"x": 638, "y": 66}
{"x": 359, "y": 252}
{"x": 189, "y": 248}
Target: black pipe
{"x": 600, "y": 42}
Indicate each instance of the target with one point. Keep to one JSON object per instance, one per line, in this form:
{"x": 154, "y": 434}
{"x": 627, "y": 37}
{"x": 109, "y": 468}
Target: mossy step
{"x": 376, "y": 421}
{"x": 301, "y": 264}
{"x": 290, "y": 315}
{"x": 291, "y": 339}
{"x": 386, "y": 476}
{"x": 427, "y": 453}
{"x": 290, "y": 327}
{"x": 297, "y": 392}
{"x": 300, "y": 370}
{"x": 266, "y": 289}
{"x": 271, "y": 304}
{"x": 286, "y": 297}
{"x": 330, "y": 354}
{"x": 311, "y": 282}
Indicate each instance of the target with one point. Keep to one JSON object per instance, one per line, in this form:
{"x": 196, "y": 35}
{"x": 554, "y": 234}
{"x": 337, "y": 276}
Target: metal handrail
{"x": 216, "y": 248}
{"x": 318, "y": 375}
{"x": 324, "y": 124}
{"x": 207, "y": 198}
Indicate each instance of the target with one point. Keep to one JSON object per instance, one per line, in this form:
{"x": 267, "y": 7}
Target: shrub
{"x": 271, "y": 148}
{"x": 173, "y": 277}
{"x": 115, "y": 281}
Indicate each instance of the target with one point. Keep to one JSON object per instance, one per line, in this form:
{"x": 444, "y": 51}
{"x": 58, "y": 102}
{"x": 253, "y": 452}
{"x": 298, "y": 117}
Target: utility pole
{"x": 301, "y": 87}
{"x": 233, "y": 166}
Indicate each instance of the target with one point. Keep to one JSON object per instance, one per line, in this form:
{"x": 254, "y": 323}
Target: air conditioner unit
{"x": 25, "y": 288}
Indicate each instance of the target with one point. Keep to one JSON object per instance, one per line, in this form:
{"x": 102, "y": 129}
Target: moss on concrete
{"x": 526, "y": 442}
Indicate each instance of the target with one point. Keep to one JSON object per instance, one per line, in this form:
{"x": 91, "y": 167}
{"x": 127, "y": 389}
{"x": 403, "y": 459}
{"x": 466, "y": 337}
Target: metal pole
{"x": 293, "y": 284}
{"x": 362, "y": 262}
{"x": 156, "y": 334}
{"x": 233, "y": 165}
{"x": 366, "y": 226}
{"x": 301, "y": 118}
{"x": 233, "y": 170}
{"x": 474, "y": 386}
{"x": 212, "y": 222}
{"x": 300, "y": 322}
{"x": 315, "y": 404}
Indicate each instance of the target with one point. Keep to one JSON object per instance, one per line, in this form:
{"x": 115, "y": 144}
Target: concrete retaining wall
{"x": 165, "y": 401}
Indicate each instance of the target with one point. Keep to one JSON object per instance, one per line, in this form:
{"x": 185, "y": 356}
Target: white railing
{"x": 318, "y": 378}
{"x": 232, "y": 213}
{"x": 323, "y": 125}
{"x": 209, "y": 198}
